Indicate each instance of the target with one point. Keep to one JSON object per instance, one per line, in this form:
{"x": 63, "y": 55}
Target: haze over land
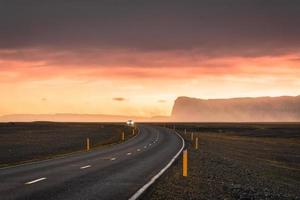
{"x": 69, "y": 117}
{"x": 185, "y": 109}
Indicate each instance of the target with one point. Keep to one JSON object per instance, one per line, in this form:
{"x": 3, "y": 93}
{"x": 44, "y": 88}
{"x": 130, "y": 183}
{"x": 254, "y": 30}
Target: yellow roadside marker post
{"x": 123, "y": 136}
{"x": 185, "y": 163}
{"x": 133, "y": 131}
{"x": 87, "y": 144}
{"x": 192, "y": 136}
{"x": 196, "y": 143}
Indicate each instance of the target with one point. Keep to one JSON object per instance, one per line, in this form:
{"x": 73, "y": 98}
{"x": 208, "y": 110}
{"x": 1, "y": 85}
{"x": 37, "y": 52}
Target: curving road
{"x": 115, "y": 172}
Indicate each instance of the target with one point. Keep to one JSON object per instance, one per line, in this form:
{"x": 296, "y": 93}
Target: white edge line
{"x": 36, "y": 180}
{"x": 138, "y": 193}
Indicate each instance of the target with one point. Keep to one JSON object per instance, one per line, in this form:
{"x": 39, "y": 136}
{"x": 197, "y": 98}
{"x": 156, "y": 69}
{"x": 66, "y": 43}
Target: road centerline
{"x": 84, "y": 167}
{"x": 111, "y": 158}
{"x": 35, "y": 181}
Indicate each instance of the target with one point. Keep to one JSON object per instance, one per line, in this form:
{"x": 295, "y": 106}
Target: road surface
{"x": 115, "y": 172}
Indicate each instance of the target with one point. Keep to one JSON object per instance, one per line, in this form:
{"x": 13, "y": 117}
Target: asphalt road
{"x": 115, "y": 172}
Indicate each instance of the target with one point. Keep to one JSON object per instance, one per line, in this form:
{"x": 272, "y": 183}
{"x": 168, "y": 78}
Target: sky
{"x": 133, "y": 57}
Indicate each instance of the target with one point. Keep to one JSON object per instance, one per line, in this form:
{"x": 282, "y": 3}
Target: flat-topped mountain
{"x": 259, "y": 109}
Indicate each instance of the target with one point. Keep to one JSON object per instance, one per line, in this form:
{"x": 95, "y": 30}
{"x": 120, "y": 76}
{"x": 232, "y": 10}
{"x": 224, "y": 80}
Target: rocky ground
{"x": 231, "y": 165}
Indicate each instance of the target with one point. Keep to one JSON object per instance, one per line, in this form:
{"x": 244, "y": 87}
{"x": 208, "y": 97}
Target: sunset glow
{"x": 136, "y": 83}
{"x": 126, "y": 72}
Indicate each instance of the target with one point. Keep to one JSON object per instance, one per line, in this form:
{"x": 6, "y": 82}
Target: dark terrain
{"x": 235, "y": 161}
{"x": 23, "y": 142}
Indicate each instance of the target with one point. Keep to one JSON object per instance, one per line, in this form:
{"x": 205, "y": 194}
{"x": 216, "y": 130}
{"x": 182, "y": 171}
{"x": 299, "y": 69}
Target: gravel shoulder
{"x": 234, "y": 164}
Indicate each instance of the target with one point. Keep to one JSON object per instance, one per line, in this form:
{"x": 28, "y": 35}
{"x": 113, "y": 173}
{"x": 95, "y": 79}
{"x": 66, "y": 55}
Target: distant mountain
{"x": 260, "y": 109}
{"x": 66, "y": 117}
{"x": 70, "y": 118}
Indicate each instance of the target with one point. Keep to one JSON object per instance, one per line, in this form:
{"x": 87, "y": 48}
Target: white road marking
{"x": 150, "y": 144}
{"x": 137, "y": 194}
{"x": 128, "y": 153}
{"x": 138, "y": 150}
{"x": 113, "y": 159}
{"x": 84, "y": 167}
{"x": 145, "y": 147}
{"x": 36, "y": 180}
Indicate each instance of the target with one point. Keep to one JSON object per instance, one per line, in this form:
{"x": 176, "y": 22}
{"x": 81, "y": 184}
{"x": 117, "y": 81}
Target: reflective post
{"x": 185, "y": 163}
{"x": 87, "y": 144}
{"x": 123, "y": 136}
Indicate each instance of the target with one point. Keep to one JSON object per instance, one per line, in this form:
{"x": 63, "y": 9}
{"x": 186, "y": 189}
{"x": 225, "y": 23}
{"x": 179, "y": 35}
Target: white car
{"x": 130, "y": 123}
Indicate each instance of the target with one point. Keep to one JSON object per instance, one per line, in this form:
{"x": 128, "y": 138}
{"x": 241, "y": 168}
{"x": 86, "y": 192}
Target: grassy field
{"x": 23, "y": 142}
{"x": 235, "y": 161}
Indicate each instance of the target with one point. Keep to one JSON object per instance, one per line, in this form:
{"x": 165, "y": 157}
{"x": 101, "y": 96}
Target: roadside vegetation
{"x": 26, "y": 142}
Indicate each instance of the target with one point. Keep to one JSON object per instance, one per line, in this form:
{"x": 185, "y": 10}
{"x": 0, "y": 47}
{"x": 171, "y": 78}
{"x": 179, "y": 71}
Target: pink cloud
{"x": 34, "y": 64}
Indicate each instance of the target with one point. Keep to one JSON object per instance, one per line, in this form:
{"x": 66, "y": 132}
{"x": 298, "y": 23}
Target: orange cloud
{"x": 88, "y": 83}
{"x": 141, "y": 65}
{"x": 119, "y": 99}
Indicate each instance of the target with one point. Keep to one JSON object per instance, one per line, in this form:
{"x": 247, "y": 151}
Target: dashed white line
{"x": 128, "y": 153}
{"x": 113, "y": 159}
{"x": 145, "y": 147}
{"x": 36, "y": 180}
{"x": 84, "y": 167}
{"x": 138, "y": 150}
